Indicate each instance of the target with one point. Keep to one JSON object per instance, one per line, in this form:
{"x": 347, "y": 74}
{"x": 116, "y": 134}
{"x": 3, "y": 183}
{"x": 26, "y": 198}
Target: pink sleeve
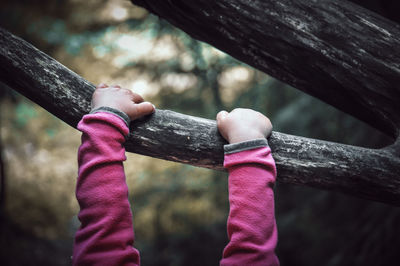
{"x": 251, "y": 226}
{"x": 106, "y": 233}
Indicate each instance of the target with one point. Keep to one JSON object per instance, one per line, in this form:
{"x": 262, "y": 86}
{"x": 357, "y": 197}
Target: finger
{"x": 269, "y": 127}
{"x": 221, "y": 115}
{"x": 102, "y": 85}
{"x": 137, "y": 98}
{"x": 142, "y": 109}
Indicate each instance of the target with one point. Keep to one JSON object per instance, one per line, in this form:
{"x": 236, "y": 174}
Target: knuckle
{"x": 127, "y": 92}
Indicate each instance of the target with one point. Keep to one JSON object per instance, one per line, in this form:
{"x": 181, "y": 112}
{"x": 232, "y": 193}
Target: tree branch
{"x": 334, "y": 50}
{"x": 372, "y": 174}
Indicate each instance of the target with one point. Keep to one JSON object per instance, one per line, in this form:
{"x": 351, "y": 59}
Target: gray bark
{"x": 334, "y": 50}
{"x": 367, "y": 173}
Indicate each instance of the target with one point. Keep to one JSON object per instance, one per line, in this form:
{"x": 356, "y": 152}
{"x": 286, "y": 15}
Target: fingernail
{"x": 222, "y": 113}
{"x": 154, "y": 108}
{"x": 102, "y": 85}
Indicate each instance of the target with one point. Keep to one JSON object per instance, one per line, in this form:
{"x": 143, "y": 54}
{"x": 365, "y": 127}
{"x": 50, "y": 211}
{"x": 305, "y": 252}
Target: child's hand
{"x": 121, "y": 99}
{"x": 242, "y": 125}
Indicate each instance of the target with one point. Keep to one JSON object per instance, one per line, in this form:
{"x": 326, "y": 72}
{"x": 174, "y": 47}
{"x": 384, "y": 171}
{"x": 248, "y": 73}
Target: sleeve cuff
{"x": 245, "y": 145}
{"x": 114, "y": 111}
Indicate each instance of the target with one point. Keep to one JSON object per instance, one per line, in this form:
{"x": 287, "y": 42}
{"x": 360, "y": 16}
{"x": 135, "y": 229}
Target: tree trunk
{"x": 334, "y": 50}
{"x": 368, "y": 173}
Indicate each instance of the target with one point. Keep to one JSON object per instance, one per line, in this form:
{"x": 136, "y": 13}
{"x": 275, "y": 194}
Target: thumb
{"x": 142, "y": 109}
{"x": 221, "y": 115}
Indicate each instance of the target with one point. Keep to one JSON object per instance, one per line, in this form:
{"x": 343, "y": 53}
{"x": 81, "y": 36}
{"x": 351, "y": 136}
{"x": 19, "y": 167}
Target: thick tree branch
{"x": 334, "y": 50}
{"x": 372, "y": 174}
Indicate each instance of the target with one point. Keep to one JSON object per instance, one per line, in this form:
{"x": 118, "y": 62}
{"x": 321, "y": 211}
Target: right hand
{"x": 242, "y": 125}
{"x": 121, "y": 99}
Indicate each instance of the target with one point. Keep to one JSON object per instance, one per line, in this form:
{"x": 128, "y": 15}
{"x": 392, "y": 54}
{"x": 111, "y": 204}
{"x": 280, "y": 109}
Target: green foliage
{"x": 24, "y": 112}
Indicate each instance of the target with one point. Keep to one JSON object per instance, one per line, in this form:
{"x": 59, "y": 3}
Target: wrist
{"x": 245, "y": 145}
{"x": 115, "y": 111}
{"x": 247, "y": 136}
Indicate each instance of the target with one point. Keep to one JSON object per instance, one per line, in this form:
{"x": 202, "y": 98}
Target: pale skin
{"x": 236, "y": 126}
{"x": 121, "y": 99}
{"x": 242, "y": 125}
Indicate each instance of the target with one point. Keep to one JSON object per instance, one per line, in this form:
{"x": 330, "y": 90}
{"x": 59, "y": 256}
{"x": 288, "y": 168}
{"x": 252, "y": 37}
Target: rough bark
{"x": 334, "y": 50}
{"x": 372, "y": 174}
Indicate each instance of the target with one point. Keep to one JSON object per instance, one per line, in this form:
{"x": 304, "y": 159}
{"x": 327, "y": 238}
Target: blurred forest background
{"x": 179, "y": 211}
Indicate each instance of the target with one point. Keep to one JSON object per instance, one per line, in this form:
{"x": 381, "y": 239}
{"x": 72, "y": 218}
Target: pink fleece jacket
{"x": 106, "y": 235}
